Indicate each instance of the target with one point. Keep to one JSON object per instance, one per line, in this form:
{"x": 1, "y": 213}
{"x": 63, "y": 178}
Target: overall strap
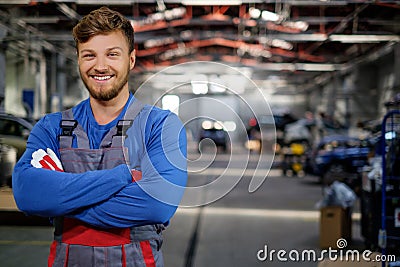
{"x": 69, "y": 127}
{"x": 117, "y": 135}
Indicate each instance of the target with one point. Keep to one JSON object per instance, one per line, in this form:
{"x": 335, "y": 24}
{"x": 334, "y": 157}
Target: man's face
{"x": 104, "y": 65}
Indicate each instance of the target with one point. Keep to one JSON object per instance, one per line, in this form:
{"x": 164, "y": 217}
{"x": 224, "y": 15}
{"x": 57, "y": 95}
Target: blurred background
{"x": 304, "y": 93}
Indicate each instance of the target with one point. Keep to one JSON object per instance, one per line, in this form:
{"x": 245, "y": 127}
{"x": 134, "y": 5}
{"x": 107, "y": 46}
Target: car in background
{"x": 272, "y": 127}
{"x": 14, "y": 132}
{"x": 340, "y": 157}
{"x": 213, "y": 132}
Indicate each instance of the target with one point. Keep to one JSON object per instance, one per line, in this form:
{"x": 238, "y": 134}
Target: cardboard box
{"x": 335, "y": 223}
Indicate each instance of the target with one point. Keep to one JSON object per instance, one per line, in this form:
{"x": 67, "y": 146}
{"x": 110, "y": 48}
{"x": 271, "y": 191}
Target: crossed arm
{"x": 106, "y": 198}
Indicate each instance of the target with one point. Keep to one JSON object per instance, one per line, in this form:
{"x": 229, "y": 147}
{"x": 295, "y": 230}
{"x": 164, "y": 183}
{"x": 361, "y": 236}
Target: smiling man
{"x": 110, "y": 172}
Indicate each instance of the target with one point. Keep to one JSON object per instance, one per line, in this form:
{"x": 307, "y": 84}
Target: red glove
{"x": 136, "y": 175}
{"x": 49, "y": 160}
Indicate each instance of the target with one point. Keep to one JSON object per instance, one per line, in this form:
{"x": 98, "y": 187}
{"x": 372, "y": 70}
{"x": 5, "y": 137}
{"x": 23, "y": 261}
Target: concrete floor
{"x": 228, "y": 232}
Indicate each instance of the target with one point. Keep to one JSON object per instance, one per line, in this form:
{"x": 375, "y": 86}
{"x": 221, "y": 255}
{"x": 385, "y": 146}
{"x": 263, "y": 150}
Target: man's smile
{"x": 101, "y": 78}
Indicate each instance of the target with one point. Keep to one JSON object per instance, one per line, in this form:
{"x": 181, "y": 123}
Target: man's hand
{"x": 46, "y": 160}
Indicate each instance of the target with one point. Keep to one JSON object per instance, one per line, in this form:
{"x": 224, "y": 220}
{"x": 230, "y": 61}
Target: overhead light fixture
{"x": 315, "y": 67}
{"x": 300, "y": 66}
{"x": 177, "y": 52}
{"x": 281, "y": 44}
{"x": 299, "y": 37}
{"x": 217, "y": 85}
{"x": 363, "y": 38}
{"x": 270, "y": 16}
{"x": 255, "y": 13}
{"x": 211, "y": 2}
{"x": 253, "y": 51}
{"x": 276, "y": 43}
{"x": 102, "y": 2}
{"x": 266, "y": 15}
{"x": 199, "y": 84}
{"x": 170, "y": 14}
{"x": 37, "y": 20}
{"x": 175, "y": 13}
{"x": 158, "y": 42}
{"x": 199, "y": 88}
{"x": 299, "y": 25}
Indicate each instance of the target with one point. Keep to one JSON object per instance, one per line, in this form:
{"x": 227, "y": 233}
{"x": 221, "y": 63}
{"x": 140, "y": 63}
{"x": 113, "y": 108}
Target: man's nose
{"x": 101, "y": 64}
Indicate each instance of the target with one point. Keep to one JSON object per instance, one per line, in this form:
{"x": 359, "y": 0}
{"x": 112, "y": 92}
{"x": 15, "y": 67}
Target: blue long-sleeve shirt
{"x": 108, "y": 198}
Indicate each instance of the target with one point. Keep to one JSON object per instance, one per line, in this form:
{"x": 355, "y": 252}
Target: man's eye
{"x": 88, "y": 56}
{"x": 113, "y": 54}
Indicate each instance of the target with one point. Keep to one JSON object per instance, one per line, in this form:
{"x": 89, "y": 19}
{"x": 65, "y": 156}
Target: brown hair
{"x": 103, "y": 21}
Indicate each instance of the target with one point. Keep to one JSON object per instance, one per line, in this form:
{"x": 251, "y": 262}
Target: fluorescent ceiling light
{"x": 255, "y": 13}
{"x": 16, "y": 2}
{"x": 216, "y": 84}
{"x": 105, "y": 2}
{"x": 49, "y": 19}
{"x": 299, "y": 25}
{"x": 199, "y": 84}
{"x": 300, "y": 37}
{"x": 211, "y": 2}
{"x": 315, "y": 67}
{"x": 278, "y": 66}
{"x": 199, "y": 88}
{"x": 363, "y": 38}
{"x": 217, "y": 88}
{"x": 282, "y": 44}
{"x": 270, "y": 16}
{"x": 299, "y": 66}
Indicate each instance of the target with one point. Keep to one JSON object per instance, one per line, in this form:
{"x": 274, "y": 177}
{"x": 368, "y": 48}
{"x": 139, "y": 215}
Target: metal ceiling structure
{"x": 300, "y": 40}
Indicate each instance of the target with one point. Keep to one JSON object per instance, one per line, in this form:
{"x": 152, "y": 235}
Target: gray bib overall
{"x": 79, "y": 244}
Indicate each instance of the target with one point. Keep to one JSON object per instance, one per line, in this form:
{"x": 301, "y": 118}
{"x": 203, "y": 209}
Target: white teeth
{"x": 102, "y": 78}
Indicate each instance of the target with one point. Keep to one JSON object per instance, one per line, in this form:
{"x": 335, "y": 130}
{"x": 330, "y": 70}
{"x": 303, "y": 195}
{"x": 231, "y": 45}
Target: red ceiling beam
{"x": 232, "y": 44}
{"x": 243, "y": 14}
{"x": 161, "y": 25}
{"x": 151, "y": 66}
{"x": 189, "y": 12}
{"x": 218, "y": 17}
{"x": 388, "y": 5}
{"x": 222, "y": 9}
{"x": 279, "y": 28}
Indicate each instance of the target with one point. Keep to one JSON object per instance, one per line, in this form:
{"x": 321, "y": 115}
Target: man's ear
{"x": 132, "y": 59}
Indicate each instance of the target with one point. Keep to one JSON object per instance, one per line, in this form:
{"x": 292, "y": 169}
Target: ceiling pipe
{"x": 340, "y": 27}
{"x": 69, "y": 12}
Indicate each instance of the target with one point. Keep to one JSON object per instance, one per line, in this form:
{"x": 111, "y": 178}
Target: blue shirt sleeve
{"x": 155, "y": 198}
{"x": 50, "y": 193}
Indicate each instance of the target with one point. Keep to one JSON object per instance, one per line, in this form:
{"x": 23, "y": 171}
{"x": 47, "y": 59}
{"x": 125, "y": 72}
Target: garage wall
{"x": 375, "y": 83}
{"x": 18, "y": 78}
{"x": 359, "y": 95}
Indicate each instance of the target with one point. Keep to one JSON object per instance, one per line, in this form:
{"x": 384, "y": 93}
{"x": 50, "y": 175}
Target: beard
{"x": 105, "y": 94}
